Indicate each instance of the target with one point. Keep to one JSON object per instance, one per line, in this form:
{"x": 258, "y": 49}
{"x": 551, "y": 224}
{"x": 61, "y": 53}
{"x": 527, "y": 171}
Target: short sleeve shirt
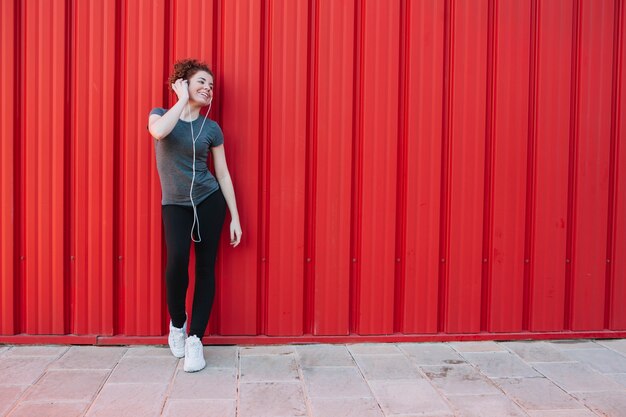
{"x": 175, "y": 156}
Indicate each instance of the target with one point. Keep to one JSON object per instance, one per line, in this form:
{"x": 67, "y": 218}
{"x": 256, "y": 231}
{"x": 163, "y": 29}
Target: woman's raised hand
{"x": 181, "y": 88}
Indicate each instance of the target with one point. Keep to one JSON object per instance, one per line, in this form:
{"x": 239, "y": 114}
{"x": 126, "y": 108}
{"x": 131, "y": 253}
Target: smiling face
{"x": 201, "y": 88}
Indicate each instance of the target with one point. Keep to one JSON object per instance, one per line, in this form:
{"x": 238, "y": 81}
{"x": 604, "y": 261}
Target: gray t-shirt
{"x": 174, "y": 157}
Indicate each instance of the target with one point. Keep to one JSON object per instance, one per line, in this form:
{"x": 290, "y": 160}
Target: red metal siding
{"x": 507, "y": 142}
{"x": 331, "y": 157}
{"x": 591, "y": 158}
{"x": 422, "y": 114}
{"x": 92, "y": 153}
{"x": 417, "y": 169}
{"x": 238, "y": 278}
{"x": 549, "y": 164}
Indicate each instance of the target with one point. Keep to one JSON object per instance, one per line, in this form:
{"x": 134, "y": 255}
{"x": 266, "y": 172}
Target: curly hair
{"x": 186, "y": 68}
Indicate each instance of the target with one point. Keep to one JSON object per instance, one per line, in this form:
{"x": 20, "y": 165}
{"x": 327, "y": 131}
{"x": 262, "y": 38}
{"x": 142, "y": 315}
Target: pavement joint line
{"x": 238, "y": 383}
{"x": 367, "y": 382}
{"x": 305, "y": 392}
{"x": 170, "y": 386}
{"x": 426, "y": 378}
{"x": 95, "y": 396}
{"x": 569, "y": 393}
{"x": 31, "y": 387}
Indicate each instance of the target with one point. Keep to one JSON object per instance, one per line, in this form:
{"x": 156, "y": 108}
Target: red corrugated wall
{"x": 405, "y": 170}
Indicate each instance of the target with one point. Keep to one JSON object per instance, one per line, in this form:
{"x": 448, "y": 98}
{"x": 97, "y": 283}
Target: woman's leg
{"x": 177, "y": 222}
{"x": 211, "y": 213}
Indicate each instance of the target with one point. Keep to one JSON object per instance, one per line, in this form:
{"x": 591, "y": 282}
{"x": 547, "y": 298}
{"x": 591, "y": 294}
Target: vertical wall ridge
{"x": 401, "y": 175}
{"x": 355, "y": 248}
{"x": 613, "y": 160}
{"x": 490, "y": 119}
{"x": 445, "y": 165}
{"x": 531, "y": 168}
{"x": 573, "y": 135}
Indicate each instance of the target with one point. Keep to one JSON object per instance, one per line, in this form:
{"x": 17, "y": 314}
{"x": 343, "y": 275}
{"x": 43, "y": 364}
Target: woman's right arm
{"x": 161, "y": 126}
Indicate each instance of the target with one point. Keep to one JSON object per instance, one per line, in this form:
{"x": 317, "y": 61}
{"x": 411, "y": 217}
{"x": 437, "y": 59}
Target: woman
{"x": 194, "y": 203}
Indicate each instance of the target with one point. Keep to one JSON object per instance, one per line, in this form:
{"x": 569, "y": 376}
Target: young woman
{"x": 194, "y": 202}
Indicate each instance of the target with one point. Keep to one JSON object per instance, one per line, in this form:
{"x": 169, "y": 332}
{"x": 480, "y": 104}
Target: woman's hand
{"x": 235, "y": 233}
{"x": 181, "y": 88}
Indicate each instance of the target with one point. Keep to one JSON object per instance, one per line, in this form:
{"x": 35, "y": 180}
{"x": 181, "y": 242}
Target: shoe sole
{"x": 194, "y": 370}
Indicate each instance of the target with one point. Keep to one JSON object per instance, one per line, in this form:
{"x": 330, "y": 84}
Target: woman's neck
{"x": 191, "y": 112}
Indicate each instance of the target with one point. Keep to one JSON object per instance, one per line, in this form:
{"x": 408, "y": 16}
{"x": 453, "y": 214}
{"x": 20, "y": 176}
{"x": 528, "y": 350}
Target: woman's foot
{"x": 176, "y": 340}
{"x": 194, "y": 356}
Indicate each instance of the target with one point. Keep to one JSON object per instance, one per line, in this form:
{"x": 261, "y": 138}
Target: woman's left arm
{"x": 226, "y": 184}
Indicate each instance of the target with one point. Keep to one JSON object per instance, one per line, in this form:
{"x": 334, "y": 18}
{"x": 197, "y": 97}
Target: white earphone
{"x": 193, "y": 167}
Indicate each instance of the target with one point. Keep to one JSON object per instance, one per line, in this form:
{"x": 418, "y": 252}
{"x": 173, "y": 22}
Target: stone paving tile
{"x": 54, "y": 351}
{"x": 573, "y": 344}
{"x": 486, "y": 405}
{"x": 487, "y": 346}
{"x": 147, "y": 351}
{"x": 271, "y": 399}
{"x": 374, "y": 349}
{"x": 619, "y": 378}
{"x": 536, "y": 351}
{"x": 22, "y": 371}
{"x": 618, "y": 345}
{"x": 574, "y": 377}
{"x": 208, "y": 384}
{"x": 50, "y": 409}
{"x": 3, "y": 350}
{"x": 409, "y": 397}
{"x": 128, "y": 400}
{"x": 500, "y": 364}
{"x": 67, "y": 385}
{"x": 387, "y": 367}
{"x": 155, "y": 370}
{"x": 269, "y": 368}
{"x": 431, "y": 353}
{"x": 90, "y": 357}
{"x": 537, "y": 394}
{"x": 459, "y": 380}
{"x": 8, "y": 395}
{"x": 603, "y": 360}
{"x": 345, "y": 407}
{"x": 337, "y": 382}
{"x": 266, "y": 350}
{"x": 324, "y": 355}
{"x": 220, "y": 356}
{"x": 562, "y": 413}
{"x": 605, "y": 403}
{"x": 199, "y": 408}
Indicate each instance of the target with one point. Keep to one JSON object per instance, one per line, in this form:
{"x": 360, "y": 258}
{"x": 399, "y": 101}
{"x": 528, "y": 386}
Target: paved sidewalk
{"x": 541, "y": 379}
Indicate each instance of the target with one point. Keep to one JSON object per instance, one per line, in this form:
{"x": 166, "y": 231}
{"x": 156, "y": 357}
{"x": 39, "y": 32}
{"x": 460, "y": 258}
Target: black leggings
{"x": 177, "y": 222}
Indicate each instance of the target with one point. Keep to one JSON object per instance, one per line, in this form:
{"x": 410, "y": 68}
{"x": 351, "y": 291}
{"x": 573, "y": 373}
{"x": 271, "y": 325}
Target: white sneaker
{"x": 176, "y": 340}
{"x": 194, "y": 356}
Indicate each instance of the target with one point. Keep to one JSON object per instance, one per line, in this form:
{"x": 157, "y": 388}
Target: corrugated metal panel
{"x": 44, "y": 161}
{"x": 464, "y": 165}
{"x": 331, "y": 155}
{"x": 141, "y": 284}
{"x": 422, "y": 116}
{"x": 92, "y": 140}
{"x": 552, "y": 58}
{"x": 405, "y": 167}
{"x": 284, "y": 164}
{"x": 507, "y": 143}
{"x": 591, "y": 160}
{"x": 376, "y": 153}
{"x": 238, "y": 279}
